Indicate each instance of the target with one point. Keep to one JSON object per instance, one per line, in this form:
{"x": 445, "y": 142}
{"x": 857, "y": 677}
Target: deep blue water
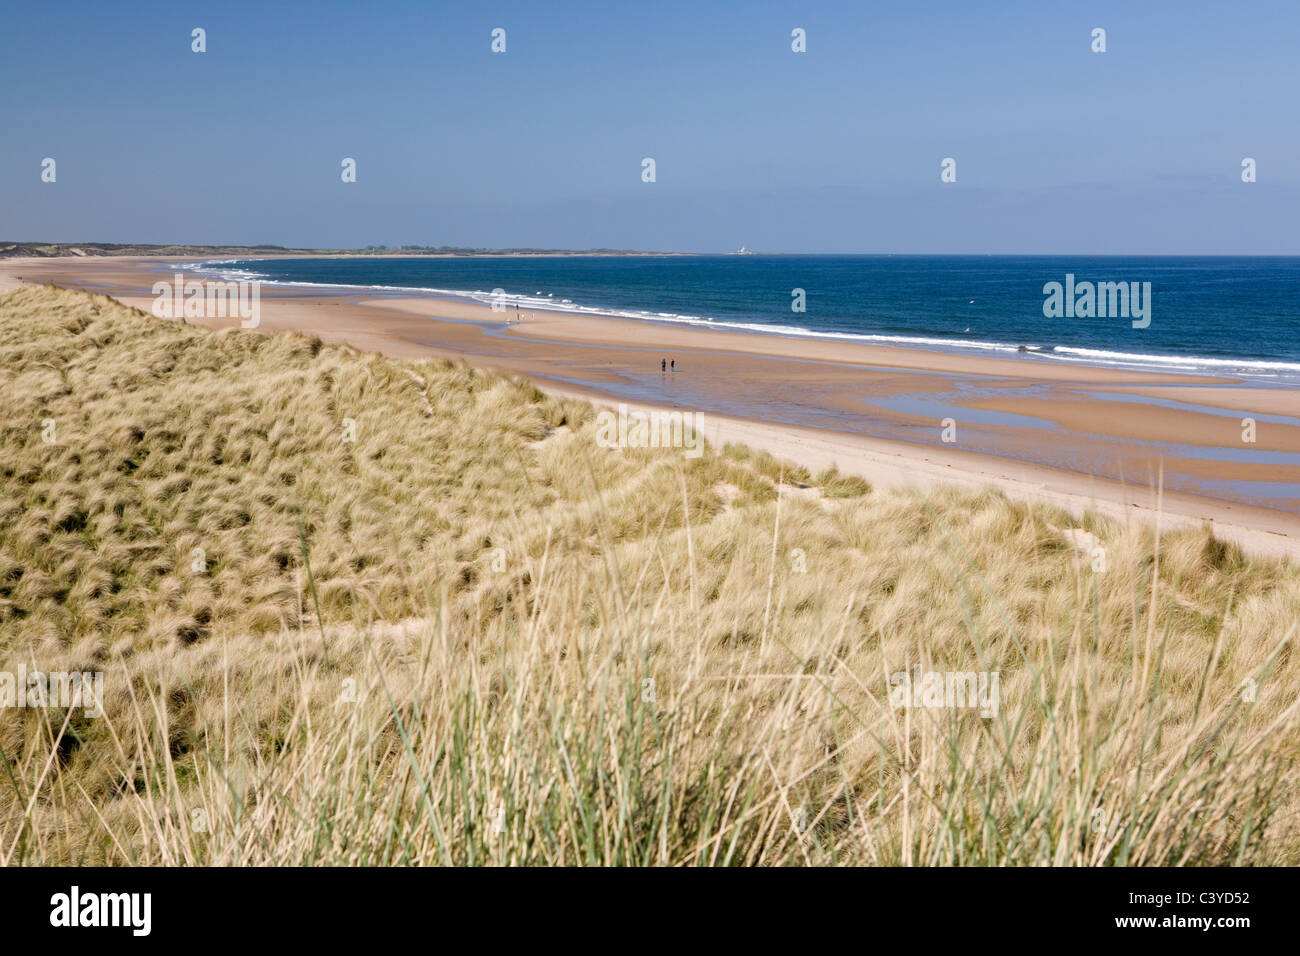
{"x": 1229, "y": 315}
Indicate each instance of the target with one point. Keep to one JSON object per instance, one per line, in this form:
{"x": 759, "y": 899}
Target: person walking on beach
{"x": 673, "y": 365}
{"x": 663, "y": 365}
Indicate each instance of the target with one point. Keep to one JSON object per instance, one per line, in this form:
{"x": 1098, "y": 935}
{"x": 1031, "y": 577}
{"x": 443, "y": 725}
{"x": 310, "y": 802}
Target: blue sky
{"x": 1058, "y": 149}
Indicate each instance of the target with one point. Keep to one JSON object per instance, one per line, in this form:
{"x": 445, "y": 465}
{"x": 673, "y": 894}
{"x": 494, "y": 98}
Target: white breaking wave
{"x": 1181, "y": 362}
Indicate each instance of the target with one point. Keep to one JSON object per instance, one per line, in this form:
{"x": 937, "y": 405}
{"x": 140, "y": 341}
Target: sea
{"x": 1222, "y": 315}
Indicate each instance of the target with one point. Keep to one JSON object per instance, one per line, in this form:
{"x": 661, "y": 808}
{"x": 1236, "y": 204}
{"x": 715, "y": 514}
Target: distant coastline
{"x": 54, "y": 250}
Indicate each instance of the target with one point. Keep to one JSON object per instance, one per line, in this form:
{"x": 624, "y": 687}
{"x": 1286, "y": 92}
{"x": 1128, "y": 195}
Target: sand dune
{"x": 1122, "y": 441}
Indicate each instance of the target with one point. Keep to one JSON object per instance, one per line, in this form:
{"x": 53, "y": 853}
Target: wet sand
{"x": 1074, "y": 435}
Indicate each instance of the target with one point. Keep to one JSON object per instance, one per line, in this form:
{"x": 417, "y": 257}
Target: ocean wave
{"x": 1182, "y": 362}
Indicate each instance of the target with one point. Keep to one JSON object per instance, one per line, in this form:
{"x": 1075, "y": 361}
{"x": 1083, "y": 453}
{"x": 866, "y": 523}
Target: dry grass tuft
{"x": 470, "y": 635}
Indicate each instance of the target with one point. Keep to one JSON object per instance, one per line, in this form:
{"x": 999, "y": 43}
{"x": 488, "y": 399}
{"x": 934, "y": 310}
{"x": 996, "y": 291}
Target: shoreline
{"x": 1039, "y": 430}
{"x": 1246, "y": 370}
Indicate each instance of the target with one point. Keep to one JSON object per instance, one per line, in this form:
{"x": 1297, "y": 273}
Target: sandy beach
{"x": 1077, "y": 436}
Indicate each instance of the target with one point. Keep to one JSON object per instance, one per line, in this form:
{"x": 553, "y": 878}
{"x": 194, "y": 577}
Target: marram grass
{"x": 469, "y": 635}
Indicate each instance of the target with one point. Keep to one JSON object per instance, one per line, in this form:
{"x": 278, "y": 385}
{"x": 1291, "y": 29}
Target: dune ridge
{"x": 360, "y": 610}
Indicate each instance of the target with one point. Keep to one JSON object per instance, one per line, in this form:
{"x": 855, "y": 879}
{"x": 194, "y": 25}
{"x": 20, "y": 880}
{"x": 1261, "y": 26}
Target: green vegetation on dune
{"x": 351, "y": 610}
